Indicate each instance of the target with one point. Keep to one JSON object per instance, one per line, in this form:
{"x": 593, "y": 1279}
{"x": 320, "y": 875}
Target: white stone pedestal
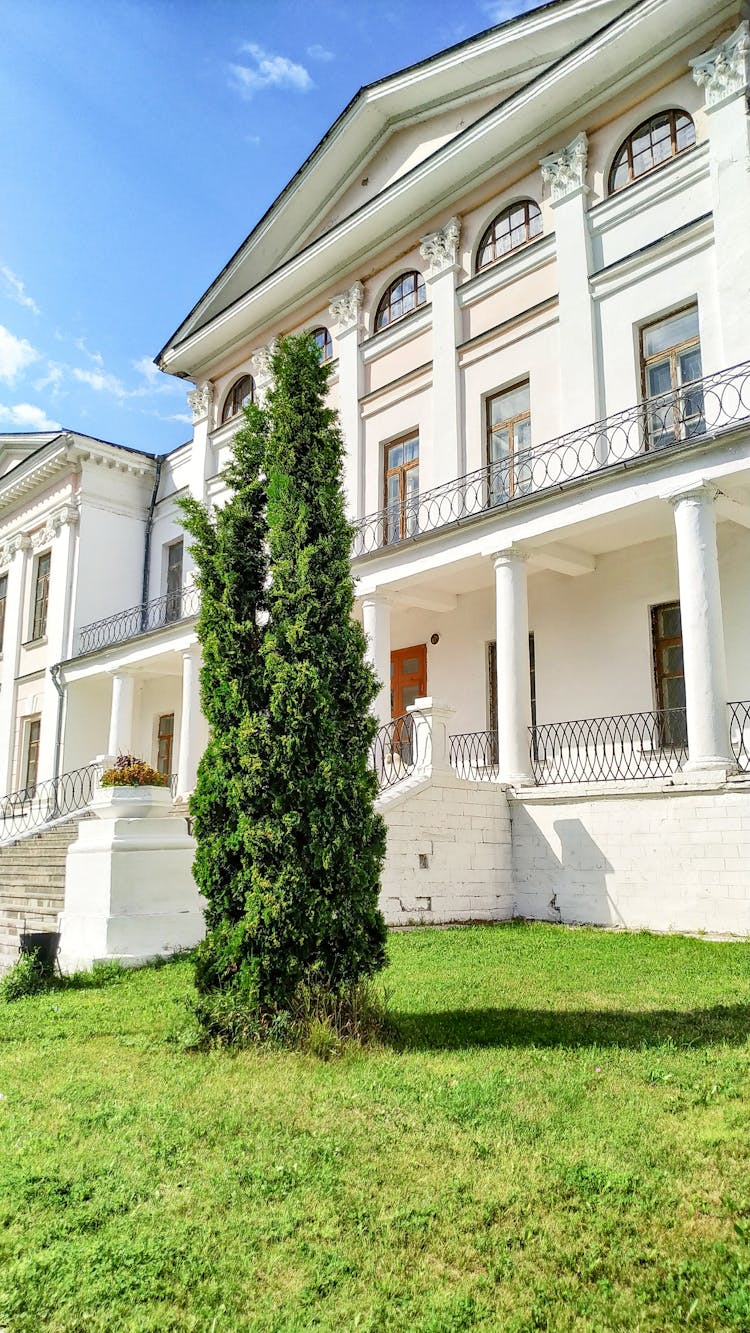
{"x": 129, "y": 889}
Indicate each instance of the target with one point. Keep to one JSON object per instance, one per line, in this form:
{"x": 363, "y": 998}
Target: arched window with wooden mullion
{"x": 652, "y": 143}
{"x": 405, "y": 294}
{"x": 324, "y": 342}
{"x": 240, "y": 394}
{"x": 515, "y": 226}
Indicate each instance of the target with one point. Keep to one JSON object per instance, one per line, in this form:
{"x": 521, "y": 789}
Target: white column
{"x": 440, "y": 249}
{"x": 14, "y": 562}
{"x": 512, "y": 656}
{"x": 345, "y": 312}
{"x": 121, "y": 714}
{"x": 724, "y": 73}
{"x": 200, "y": 402}
{"x": 702, "y": 630}
{"x": 190, "y": 722}
{"x": 565, "y": 173}
{"x": 60, "y": 535}
{"x": 376, "y": 620}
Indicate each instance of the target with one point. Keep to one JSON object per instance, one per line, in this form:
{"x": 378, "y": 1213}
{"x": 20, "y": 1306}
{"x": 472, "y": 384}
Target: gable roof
{"x": 497, "y": 61}
{"x": 641, "y": 37}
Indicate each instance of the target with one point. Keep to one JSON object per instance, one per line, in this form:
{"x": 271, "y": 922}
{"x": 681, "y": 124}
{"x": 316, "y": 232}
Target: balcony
{"x": 683, "y": 418}
{"x": 169, "y": 609}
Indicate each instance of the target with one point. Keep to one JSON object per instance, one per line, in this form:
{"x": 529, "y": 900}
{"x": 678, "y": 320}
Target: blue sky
{"x": 142, "y": 139}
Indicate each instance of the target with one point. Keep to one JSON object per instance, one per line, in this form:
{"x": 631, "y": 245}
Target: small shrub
{"x": 30, "y": 975}
{"x": 129, "y": 771}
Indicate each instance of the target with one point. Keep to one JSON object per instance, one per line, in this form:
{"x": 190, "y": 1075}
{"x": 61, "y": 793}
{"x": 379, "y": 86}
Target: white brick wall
{"x": 462, "y": 832}
{"x": 669, "y": 859}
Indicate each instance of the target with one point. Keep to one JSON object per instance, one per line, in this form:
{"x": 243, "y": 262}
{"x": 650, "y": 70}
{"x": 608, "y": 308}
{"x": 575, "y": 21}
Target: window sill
{"x": 35, "y": 643}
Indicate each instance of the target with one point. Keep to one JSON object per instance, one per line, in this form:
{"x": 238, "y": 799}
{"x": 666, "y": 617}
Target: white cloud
{"x": 53, "y": 379}
{"x": 102, "y": 382}
{"x": 15, "y": 355}
{"x": 268, "y": 71}
{"x": 96, "y": 357}
{"x": 181, "y": 416}
{"x": 145, "y": 366}
{"x": 499, "y": 11}
{"x": 318, "y": 52}
{"x": 15, "y": 289}
{"x": 27, "y": 417}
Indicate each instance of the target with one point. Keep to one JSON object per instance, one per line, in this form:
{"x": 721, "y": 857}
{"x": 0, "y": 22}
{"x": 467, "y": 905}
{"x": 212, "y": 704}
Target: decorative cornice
{"x": 68, "y": 514}
{"x": 345, "y": 308}
{"x": 261, "y": 359}
{"x": 565, "y": 171}
{"x": 724, "y": 72}
{"x": 440, "y": 248}
{"x": 200, "y": 400}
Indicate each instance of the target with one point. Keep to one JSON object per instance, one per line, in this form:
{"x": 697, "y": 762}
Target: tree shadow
{"x": 463, "y": 1029}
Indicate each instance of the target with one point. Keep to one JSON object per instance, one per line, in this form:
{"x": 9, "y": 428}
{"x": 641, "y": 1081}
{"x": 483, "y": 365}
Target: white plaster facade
{"x": 593, "y": 529}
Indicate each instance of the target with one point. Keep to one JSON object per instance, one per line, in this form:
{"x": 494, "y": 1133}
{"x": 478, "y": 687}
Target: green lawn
{"x": 563, "y": 1142}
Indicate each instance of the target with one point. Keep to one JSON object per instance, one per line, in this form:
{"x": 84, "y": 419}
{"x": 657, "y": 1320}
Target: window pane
{"x": 670, "y": 623}
{"x": 671, "y": 332}
{"x": 673, "y": 692}
{"x": 499, "y": 445}
{"x": 411, "y": 449}
{"x": 659, "y": 378}
{"x": 513, "y": 403}
{"x": 394, "y": 489}
{"x": 412, "y": 482}
{"x": 690, "y": 364}
{"x": 395, "y": 456}
{"x": 685, "y": 133}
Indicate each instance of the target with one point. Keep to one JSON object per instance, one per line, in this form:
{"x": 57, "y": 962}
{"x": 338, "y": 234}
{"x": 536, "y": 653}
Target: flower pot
{"x": 131, "y": 802}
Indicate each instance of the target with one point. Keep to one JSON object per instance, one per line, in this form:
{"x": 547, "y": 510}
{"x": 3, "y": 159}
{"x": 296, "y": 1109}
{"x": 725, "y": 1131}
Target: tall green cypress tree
{"x": 323, "y": 841}
{"x": 289, "y": 845}
{"x": 230, "y": 553}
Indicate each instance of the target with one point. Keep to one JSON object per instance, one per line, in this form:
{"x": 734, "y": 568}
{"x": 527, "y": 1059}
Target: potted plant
{"x": 131, "y": 789}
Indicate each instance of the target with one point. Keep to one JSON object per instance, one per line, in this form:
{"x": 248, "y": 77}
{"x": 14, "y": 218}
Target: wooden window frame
{"x": 169, "y": 738}
{"x": 386, "y": 302}
{"x": 509, "y": 424}
{"x": 671, "y": 734}
{"x": 532, "y": 213}
{"x": 627, "y": 147}
{"x": 40, "y": 603}
{"x": 672, "y": 352}
{"x": 323, "y": 338}
{"x": 30, "y": 724}
{"x": 233, "y": 401}
{"x": 401, "y": 472}
{"x": 173, "y": 596}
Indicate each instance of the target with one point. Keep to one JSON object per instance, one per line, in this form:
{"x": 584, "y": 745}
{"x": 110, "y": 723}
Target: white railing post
{"x": 431, "y": 735}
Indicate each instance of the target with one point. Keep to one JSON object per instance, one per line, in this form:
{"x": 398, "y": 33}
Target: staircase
{"x": 32, "y": 884}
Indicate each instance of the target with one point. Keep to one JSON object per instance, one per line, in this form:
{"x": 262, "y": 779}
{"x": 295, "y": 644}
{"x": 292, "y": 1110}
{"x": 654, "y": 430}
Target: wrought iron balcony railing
{"x": 474, "y": 756}
{"x": 135, "y": 620}
{"x": 610, "y": 749}
{"x": 739, "y": 734}
{"x": 31, "y": 808}
{"x": 401, "y": 747}
{"x": 685, "y": 416}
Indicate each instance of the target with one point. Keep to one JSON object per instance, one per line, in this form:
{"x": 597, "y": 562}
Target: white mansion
{"x": 527, "y": 260}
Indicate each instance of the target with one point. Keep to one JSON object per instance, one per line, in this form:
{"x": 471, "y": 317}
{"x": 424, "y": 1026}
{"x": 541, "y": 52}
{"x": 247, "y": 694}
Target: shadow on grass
{"x": 462, "y": 1029}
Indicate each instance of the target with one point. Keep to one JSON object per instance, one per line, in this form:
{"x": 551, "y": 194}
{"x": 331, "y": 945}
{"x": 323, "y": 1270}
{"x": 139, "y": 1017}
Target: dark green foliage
{"x": 289, "y": 845}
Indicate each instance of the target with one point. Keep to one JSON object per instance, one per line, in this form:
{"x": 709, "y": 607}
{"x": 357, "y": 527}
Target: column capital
{"x": 375, "y": 598}
{"x": 345, "y": 309}
{"x": 724, "y": 72}
{"x": 509, "y": 555}
{"x": 192, "y": 652}
{"x": 440, "y": 248}
{"x": 698, "y": 492}
{"x": 565, "y": 170}
{"x": 200, "y": 399}
{"x": 261, "y": 362}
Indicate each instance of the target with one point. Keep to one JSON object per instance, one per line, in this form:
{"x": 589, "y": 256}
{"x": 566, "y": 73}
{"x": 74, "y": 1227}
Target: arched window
{"x": 325, "y": 343}
{"x": 516, "y": 225}
{"x": 403, "y": 296}
{"x": 240, "y": 394}
{"x": 655, "y": 141}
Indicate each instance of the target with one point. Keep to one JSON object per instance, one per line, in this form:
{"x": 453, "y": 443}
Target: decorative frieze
{"x": 345, "y": 308}
{"x": 261, "y": 359}
{"x": 440, "y": 248}
{"x": 200, "y": 400}
{"x": 724, "y": 72}
{"x": 565, "y": 172}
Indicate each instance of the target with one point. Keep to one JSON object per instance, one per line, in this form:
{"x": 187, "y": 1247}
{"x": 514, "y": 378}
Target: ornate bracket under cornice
{"x": 345, "y": 308}
{"x": 261, "y": 359}
{"x": 724, "y": 72}
{"x": 440, "y": 248}
{"x": 24, "y": 541}
{"x": 200, "y": 400}
{"x": 565, "y": 172}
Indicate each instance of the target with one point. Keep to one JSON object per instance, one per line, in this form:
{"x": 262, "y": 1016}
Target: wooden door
{"x": 408, "y": 677}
